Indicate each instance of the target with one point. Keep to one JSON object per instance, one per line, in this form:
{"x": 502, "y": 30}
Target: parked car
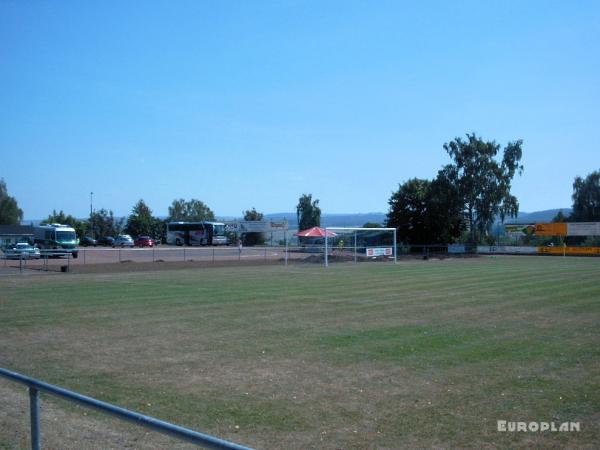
{"x": 124, "y": 240}
{"x": 88, "y": 241}
{"x": 107, "y": 241}
{"x": 144, "y": 241}
{"x": 22, "y": 250}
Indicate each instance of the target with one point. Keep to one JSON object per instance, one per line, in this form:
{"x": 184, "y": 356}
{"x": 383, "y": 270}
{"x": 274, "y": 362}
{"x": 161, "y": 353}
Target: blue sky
{"x": 244, "y": 104}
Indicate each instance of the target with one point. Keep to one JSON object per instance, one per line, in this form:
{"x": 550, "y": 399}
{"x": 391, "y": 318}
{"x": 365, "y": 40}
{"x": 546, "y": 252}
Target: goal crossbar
{"x": 357, "y": 229}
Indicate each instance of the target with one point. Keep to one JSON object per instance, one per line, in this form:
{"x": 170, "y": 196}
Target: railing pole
{"x": 34, "y": 413}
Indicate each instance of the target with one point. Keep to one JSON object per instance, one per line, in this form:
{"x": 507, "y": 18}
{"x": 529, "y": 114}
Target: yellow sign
{"x": 551, "y": 229}
{"x": 571, "y": 251}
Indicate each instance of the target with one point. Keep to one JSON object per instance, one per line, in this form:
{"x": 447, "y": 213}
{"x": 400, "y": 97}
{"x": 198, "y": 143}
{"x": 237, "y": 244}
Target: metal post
{"x": 92, "y": 213}
{"x": 84, "y": 252}
{"x": 355, "y": 254}
{"x": 153, "y": 254}
{"x": 286, "y": 247}
{"x": 34, "y": 414}
{"x": 119, "y": 255}
{"x": 21, "y": 262}
{"x": 395, "y": 248}
{"x": 265, "y": 253}
{"x": 326, "y": 251}
{"x": 213, "y": 258}
{"x": 184, "y": 254}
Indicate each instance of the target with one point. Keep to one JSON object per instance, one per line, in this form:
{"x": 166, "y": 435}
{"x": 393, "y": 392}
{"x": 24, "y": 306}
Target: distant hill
{"x": 539, "y": 216}
{"x": 333, "y": 220}
{"x": 359, "y": 219}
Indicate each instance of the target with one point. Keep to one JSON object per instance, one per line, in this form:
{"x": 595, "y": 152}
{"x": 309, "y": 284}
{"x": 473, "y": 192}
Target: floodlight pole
{"x": 355, "y": 255}
{"x": 326, "y": 259}
{"x": 286, "y": 247}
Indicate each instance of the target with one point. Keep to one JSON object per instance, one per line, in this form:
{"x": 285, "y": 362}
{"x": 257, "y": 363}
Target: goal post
{"x": 350, "y": 241}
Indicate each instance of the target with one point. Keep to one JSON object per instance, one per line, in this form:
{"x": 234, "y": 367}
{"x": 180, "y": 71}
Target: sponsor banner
{"x": 380, "y": 251}
{"x": 256, "y": 226}
{"x": 569, "y": 251}
{"x": 551, "y": 229}
{"x": 583, "y": 229}
{"x": 457, "y": 249}
{"x": 509, "y": 249}
{"x": 519, "y": 230}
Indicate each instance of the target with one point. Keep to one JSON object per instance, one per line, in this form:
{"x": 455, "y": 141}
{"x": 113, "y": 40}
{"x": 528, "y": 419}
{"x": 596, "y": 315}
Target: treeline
{"x": 464, "y": 200}
{"x": 460, "y": 204}
{"x": 140, "y": 222}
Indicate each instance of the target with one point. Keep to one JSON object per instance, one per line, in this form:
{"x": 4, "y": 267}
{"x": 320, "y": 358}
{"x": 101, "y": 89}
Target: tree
{"x": 250, "y": 239}
{"x": 560, "y": 217}
{"x": 80, "y": 226}
{"x": 426, "y": 212}
{"x": 141, "y": 222}
{"x": 586, "y": 198}
{"x": 10, "y": 213}
{"x": 193, "y": 210}
{"x": 445, "y": 218}
{"x": 408, "y": 210}
{"x": 103, "y": 223}
{"x": 482, "y": 182}
{"x": 308, "y": 212}
{"x": 372, "y": 225}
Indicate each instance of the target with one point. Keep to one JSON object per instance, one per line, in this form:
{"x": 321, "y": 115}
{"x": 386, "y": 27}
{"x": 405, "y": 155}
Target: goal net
{"x": 343, "y": 244}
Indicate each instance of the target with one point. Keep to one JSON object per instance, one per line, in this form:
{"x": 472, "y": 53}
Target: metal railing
{"x": 36, "y": 386}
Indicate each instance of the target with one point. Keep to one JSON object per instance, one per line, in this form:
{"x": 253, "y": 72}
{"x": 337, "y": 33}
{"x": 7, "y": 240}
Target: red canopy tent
{"x": 315, "y": 232}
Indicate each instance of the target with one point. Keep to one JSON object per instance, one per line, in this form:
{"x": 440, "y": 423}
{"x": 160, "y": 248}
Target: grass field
{"x": 418, "y": 354}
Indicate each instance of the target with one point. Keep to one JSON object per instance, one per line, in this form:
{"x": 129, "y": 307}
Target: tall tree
{"x": 141, "y": 222}
{"x": 250, "y": 239}
{"x": 308, "y": 212}
{"x": 80, "y": 226}
{"x": 408, "y": 211}
{"x": 445, "y": 219}
{"x": 10, "y": 213}
{"x": 104, "y": 223}
{"x": 482, "y": 181}
{"x": 426, "y": 212}
{"x": 586, "y": 198}
{"x": 192, "y": 210}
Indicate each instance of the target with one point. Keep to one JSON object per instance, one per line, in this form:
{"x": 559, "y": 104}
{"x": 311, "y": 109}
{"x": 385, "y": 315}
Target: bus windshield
{"x": 65, "y": 236}
{"x": 219, "y": 230}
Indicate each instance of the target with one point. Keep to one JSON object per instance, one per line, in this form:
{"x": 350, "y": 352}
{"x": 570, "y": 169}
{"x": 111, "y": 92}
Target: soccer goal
{"x": 345, "y": 244}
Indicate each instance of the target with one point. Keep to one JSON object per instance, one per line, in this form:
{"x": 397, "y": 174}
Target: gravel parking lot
{"x": 98, "y": 256}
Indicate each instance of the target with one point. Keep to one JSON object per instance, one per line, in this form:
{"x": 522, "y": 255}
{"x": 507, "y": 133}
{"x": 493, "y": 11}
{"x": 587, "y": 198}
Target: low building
{"x": 11, "y": 234}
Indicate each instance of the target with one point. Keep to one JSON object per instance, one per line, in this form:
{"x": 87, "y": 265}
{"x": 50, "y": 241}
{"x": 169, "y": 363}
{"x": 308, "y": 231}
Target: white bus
{"x": 56, "y": 237}
{"x": 196, "y": 233}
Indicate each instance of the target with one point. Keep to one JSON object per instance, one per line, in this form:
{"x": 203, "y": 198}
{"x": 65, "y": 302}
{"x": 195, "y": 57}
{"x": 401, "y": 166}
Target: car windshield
{"x": 65, "y": 236}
